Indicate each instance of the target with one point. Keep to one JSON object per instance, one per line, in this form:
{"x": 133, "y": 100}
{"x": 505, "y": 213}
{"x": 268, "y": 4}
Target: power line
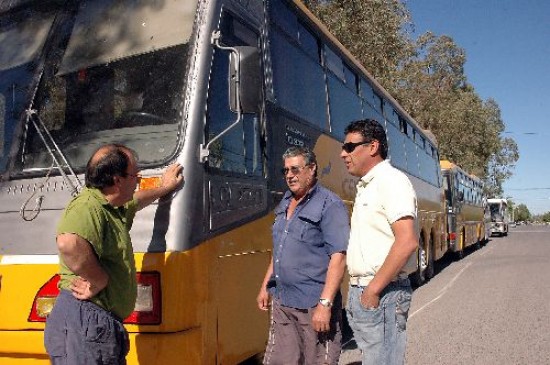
{"x": 526, "y": 189}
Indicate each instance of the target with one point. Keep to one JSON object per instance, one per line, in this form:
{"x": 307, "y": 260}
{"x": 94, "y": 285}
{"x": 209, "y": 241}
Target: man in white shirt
{"x": 383, "y": 237}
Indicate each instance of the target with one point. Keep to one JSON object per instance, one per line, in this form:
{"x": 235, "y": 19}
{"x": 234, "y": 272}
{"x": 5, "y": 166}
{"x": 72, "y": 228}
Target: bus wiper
{"x": 59, "y": 161}
{"x": 55, "y": 152}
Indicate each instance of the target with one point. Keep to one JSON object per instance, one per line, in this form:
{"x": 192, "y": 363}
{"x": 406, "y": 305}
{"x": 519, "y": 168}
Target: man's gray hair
{"x": 305, "y": 152}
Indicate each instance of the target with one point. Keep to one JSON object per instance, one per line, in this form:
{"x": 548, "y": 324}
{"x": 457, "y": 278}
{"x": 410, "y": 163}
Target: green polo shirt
{"x": 90, "y": 216}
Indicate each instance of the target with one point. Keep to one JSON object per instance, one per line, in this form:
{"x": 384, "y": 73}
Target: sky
{"x": 507, "y": 45}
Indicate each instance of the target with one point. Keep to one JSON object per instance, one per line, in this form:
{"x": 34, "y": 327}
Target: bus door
{"x": 236, "y": 188}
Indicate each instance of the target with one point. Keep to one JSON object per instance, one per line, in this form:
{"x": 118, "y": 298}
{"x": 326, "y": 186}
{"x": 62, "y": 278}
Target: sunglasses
{"x": 294, "y": 169}
{"x": 351, "y": 146}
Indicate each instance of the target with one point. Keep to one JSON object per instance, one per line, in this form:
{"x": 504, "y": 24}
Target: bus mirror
{"x": 245, "y": 79}
{"x": 461, "y": 196}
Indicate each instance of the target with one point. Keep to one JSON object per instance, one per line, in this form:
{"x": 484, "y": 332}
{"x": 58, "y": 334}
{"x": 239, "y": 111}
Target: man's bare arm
{"x": 80, "y": 258}
{"x": 406, "y": 242}
{"x": 335, "y": 273}
{"x": 172, "y": 178}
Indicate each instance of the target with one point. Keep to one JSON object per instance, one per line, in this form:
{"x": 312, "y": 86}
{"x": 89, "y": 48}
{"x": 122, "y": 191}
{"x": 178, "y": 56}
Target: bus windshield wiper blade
{"x": 58, "y": 157}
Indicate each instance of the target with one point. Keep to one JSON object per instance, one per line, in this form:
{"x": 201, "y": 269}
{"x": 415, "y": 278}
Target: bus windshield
{"x": 496, "y": 212}
{"x": 95, "y": 72}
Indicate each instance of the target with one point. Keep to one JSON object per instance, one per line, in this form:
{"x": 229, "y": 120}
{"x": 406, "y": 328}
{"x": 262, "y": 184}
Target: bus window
{"x": 239, "y": 149}
{"x": 369, "y": 112}
{"x": 298, "y": 81}
{"x": 344, "y": 105}
{"x": 351, "y": 79}
{"x": 284, "y": 18}
{"x": 334, "y": 63}
{"x": 412, "y": 157}
{"x": 378, "y": 103}
{"x": 395, "y": 146}
{"x": 403, "y": 126}
{"x": 114, "y": 85}
{"x": 367, "y": 94}
{"x": 22, "y": 37}
{"x": 3, "y": 153}
{"x": 309, "y": 43}
{"x": 392, "y": 116}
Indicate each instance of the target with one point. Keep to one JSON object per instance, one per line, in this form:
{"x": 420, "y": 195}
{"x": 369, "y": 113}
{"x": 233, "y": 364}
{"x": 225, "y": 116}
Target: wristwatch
{"x": 325, "y": 302}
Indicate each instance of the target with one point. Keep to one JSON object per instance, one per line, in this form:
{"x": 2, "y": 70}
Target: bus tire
{"x": 460, "y": 253}
{"x": 430, "y": 268}
{"x": 419, "y": 276}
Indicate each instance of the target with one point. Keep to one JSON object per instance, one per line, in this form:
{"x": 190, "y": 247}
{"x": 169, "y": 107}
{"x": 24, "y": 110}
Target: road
{"x": 491, "y": 307}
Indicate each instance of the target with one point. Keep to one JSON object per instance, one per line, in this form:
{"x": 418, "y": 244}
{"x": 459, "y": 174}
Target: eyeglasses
{"x": 137, "y": 176}
{"x": 294, "y": 169}
{"x": 350, "y": 146}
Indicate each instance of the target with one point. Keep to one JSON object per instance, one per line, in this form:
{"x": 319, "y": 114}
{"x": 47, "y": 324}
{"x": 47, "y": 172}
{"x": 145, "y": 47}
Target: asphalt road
{"x": 491, "y": 307}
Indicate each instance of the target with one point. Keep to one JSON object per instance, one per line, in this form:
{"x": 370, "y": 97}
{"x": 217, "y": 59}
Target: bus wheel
{"x": 478, "y": 243}
{"x": 419, "y": 276}
{"x": 460, "y": 252}
{"x": 430, "y": 268}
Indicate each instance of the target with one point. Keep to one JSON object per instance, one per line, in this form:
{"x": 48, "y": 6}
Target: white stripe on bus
{"x": 28, "y": 259}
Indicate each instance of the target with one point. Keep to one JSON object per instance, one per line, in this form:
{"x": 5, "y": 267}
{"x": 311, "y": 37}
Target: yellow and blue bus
{"x": 221, "y": 86}
{"x": 465, "y": 206}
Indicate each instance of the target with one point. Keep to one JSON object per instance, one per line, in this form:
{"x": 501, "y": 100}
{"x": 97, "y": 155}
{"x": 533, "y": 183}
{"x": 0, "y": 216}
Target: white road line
{"x": 449, "y": 284}
{"x": 445, "y": 288}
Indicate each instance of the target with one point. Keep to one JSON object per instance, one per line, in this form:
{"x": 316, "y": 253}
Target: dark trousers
{"x": 82, "y": 333}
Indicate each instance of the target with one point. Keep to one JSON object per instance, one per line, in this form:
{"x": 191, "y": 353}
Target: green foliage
{"x": 521, "y": 213}
{"x": 545, "y": 217}
{"x": 427, "y": 77}
{"x": 375, "y": 31}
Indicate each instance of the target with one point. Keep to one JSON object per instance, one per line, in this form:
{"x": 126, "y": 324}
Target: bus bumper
{"x": 27, "y": 347}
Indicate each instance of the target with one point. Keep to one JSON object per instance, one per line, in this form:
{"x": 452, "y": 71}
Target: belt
{"x": 365, "y": 280}
{"x": 360, "y": 280}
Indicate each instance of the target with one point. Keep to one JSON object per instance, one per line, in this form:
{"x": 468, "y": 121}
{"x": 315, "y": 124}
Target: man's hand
{"x": 81, "y": 259}
{"x": 172, "y": 177}
{"x": 263, "y": 299}
{"x": 321, "y": 318}
{"x": 82, "y": 289}
{"x": 370, "y": 299}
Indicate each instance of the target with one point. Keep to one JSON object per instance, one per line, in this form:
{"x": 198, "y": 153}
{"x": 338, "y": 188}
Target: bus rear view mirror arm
{"x": 244, "y": 87}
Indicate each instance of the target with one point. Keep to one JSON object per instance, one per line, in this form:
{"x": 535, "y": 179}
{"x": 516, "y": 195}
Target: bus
{"x": 500, "y": 217}
{"x": 465, "y": 207}
{"x": 222, "y": 87}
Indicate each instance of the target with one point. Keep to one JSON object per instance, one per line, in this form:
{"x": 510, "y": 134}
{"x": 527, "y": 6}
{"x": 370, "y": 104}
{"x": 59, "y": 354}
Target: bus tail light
{"x": 148, "y": 306}
{"x": 452, "y": 236}
{"x": 147, "y": 310}
{"x": 44, "y": 300}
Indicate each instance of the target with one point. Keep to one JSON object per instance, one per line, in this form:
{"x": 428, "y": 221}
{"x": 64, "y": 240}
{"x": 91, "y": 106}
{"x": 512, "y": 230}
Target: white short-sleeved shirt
{"x": 384, "y": 195}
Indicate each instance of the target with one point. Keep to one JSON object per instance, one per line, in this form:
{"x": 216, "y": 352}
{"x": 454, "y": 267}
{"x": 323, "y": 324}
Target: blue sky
{"x": 507, "y": 44}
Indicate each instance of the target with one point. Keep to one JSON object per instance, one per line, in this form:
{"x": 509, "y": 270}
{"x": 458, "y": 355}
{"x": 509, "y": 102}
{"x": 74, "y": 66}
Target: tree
{"x": 522, "y": 213}
{"x": 427, "y": 77}
{"x": 375, "y": 31}
{"x": 546, "y": 217}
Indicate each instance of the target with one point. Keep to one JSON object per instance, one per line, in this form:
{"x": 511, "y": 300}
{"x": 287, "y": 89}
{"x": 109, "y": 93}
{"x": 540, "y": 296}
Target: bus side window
{"x": 2, "y": 126}
{"x": 395, "y": 146}
{"x": 239, "y": 149}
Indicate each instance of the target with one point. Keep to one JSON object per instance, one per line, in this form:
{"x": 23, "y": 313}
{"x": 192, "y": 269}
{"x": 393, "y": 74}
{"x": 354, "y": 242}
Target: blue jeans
{"x": 380, "y": 332}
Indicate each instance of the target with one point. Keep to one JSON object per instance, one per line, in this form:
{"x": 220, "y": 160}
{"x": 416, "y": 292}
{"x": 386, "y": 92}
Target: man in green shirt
{"x": 98, "y": 275}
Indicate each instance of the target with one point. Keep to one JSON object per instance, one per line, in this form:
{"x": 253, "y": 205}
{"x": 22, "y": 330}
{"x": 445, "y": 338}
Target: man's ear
{"x": 117, "y": 180}
{"x": 374, "y": 148}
